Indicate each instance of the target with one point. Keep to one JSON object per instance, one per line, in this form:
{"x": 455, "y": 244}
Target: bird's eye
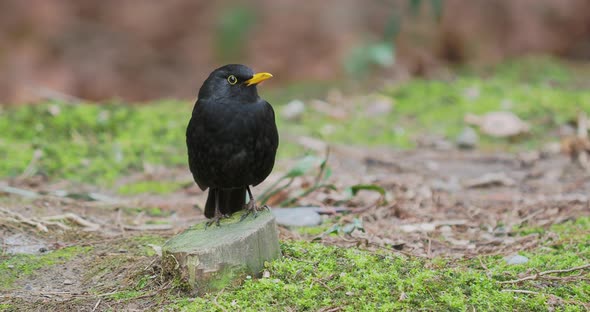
{"x": 232, "y": 79}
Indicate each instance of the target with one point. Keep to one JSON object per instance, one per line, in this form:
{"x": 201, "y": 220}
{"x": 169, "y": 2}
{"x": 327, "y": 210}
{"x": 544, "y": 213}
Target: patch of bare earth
{"x": 454, "y": 203}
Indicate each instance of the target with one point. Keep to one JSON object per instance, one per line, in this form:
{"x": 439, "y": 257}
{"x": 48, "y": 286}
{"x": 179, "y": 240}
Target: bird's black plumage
{"x": 232, "y": 138}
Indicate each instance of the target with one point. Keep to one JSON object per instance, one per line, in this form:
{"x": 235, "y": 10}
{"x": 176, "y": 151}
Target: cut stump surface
{"x": 208, "y": 259}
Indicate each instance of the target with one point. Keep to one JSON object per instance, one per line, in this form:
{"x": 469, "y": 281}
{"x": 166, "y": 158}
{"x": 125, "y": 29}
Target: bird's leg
{"x": 218, "y": 216}
{"x": 251, "y": 207}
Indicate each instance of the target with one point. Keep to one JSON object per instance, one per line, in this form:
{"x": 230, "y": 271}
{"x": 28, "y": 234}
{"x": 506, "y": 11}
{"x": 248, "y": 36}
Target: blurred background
{"x": 144, "y": 50}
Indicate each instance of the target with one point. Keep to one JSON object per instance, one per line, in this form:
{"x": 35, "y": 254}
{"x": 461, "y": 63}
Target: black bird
{"x": 232, "y": 139}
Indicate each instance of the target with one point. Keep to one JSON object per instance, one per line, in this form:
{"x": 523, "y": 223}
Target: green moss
{"x": 126, "y": 295}
{"x": 16, "y": 267}
{"x": 153, "y": 187}
{"x": 313, "y": 230}
{"x": 155, "y": 212}
{"x": 312, "y": 276}
{"x": 92, "y": 142}
{"x": 141, "y": 244}
{"x": 5, "y": 307}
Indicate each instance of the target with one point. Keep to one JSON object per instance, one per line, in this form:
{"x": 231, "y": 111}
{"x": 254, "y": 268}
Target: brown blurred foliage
{"x": 147, "y": 49}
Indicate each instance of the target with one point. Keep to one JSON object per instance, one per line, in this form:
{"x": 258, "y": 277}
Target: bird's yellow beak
{"x": 258, "y": 78}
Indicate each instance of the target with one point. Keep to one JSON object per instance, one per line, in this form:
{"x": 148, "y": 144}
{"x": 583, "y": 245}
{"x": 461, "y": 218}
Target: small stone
{"x": 432, "y": 165}
{"x": 500, "y": 124}
{"x": 551, "y": 148}
{"x": 327, "y": 129}
{"x": 450, "y": 185}
{"x": 265, "y": 274}
{"x": 28, "y": 287}
{"x": 529, "y": 158}
{"x": 54, "y": 110}
{"x": 403, "y": 296}
{"x": 293, "y": 110}
{"x": 446, "y": 229}
{"x": 566, "y": 130}
{"x": 68, "y": 282}
{"x": 501, "y": 231}
{"x": 298, "y": 216}
{"x": 516, "y": 259}
{"x": 378, "y": 105}
{"x": 471, "y": 93}
{"x": 467, "y": 139}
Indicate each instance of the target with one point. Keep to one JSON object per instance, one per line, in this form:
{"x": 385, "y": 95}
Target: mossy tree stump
{"x": 208, "y": 259}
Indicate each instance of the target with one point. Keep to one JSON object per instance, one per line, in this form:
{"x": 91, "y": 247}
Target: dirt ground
{"x": 449, "y": 203}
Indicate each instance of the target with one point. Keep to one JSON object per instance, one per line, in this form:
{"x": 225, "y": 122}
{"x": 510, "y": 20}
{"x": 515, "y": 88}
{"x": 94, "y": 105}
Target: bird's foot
{"x": 216, "y": 219}
{"x": 252, "y": 209}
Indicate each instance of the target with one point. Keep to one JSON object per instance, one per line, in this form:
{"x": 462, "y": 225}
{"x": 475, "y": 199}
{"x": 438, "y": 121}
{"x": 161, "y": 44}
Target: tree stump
{"x": 208, "y": 259}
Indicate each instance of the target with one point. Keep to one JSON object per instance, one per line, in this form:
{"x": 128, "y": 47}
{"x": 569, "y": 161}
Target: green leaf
{"x": 356, "y": 224}
{"x": 327, "y": 173}
{"x": 332, "y": 230}
{"x": 353, "y": 190}
{"x": 382, "y": 54}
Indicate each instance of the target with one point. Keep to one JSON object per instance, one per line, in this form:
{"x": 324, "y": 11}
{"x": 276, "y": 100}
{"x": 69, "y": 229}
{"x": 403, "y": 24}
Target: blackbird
{"x": 232, "y": 140}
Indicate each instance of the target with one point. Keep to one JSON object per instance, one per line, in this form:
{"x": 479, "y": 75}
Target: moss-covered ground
{"x": 313, "y": 276}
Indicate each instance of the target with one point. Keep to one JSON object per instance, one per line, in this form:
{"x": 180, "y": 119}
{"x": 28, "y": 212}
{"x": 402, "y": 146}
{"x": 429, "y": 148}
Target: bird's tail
{"x": 230, "y": 201}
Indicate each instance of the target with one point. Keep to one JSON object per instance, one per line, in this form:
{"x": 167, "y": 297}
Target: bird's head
{"x": 232, "y": 81}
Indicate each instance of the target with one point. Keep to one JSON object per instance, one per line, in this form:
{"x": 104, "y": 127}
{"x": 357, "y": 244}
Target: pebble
{"x": 516, "y": 259}
{"x": 297, "y": 216}
{"x": 293, "y": 110}
{"x": 68, "y": 282}
{"x": 467, "y": 139}
{"x": 378, "y": 105}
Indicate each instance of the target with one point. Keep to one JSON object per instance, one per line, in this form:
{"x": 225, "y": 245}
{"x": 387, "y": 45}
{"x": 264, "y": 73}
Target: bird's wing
{"x": 266, "y": 144}
{"x": 192, "y": 130}
{"x": 272, "y": 127}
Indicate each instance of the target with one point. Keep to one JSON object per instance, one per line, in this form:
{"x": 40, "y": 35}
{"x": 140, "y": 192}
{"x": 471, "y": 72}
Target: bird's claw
{"x": 252, "y": 209}
{"x": 215, "y": 220}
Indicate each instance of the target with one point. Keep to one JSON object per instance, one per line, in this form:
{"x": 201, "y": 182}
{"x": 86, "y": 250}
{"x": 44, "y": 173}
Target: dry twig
{"x": 90, "y": 226}
{"x": 217, "y": 303}
{"x": 541, "y": 274}
{"x": 96, "y": 305}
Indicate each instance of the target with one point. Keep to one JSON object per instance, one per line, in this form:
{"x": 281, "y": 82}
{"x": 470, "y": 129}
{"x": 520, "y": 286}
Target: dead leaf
{"x": 490, "y": 179}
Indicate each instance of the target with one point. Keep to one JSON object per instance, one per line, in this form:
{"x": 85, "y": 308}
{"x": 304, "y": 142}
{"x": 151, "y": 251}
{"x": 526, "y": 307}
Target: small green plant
{"x": 380, "y": 53}
{"x": 302, "y": 167}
